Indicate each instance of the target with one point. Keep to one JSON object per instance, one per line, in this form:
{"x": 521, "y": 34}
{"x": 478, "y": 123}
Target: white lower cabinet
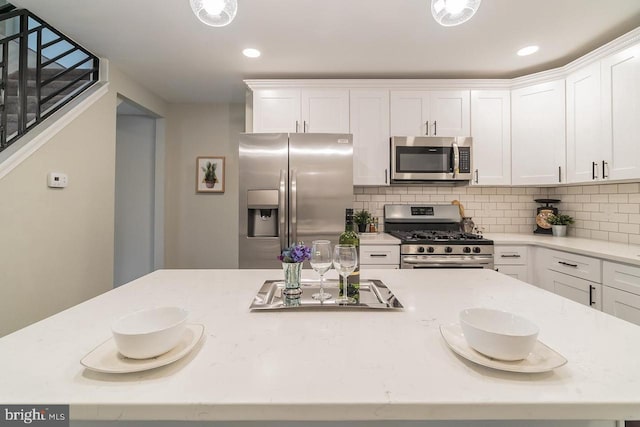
{"x": 379, "y": 256}
{"x": 512, "y": 261}
{"x": 621, "y": 291}
{"x": 576, "y": 289}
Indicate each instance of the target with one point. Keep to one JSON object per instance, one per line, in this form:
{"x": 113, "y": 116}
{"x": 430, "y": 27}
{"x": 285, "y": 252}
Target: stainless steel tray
{"x": 373, "y": 295}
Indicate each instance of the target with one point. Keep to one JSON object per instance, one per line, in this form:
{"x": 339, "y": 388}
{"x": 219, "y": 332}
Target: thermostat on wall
{"x": 57, "y": 180}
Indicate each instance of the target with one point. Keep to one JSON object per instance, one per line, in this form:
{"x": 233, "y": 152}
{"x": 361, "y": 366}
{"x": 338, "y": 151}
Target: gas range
{"x": 431, "y": 238}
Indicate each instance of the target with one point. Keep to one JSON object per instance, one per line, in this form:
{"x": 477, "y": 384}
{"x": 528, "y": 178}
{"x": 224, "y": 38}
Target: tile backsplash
{"x": 603, "y": 212}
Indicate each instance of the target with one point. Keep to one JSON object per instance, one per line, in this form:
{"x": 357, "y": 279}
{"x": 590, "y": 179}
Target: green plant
{"x": 210, "y": 172}
{"x": 560, "y": 219}
{"x": 362, "y": 217}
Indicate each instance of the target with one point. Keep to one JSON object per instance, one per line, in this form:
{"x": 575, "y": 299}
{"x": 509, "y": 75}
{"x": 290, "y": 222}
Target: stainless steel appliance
{"x": 425, "y": 158}
{"x": 431, "y": 238}
{"x": 293, "y": 187}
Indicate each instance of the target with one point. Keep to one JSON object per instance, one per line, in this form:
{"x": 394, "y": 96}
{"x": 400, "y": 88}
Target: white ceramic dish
{"x": 541, "y": 358}
{"x": 498, "y": 334}
{"x": 150, "y": 332}
{"x": 107, "y": 358}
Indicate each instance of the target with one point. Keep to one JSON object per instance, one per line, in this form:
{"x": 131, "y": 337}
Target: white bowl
{"x": 498, "y": 334}
{"x": 149, "y": 333}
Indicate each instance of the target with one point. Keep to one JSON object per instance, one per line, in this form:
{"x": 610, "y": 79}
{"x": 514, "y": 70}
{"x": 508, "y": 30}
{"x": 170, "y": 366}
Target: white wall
{"x": 134, "y": 192}
{"x": 201, "y": 230}
{"x": 56, "y": 246}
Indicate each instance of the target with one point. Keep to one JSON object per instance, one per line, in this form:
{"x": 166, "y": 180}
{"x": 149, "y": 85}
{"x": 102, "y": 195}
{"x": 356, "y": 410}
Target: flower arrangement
{"x": 560, "y": 219}
{"x": 295, "y": 253}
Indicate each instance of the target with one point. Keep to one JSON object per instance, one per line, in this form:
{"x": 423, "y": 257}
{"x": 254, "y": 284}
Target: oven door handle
{"x": 456, "y": 159}
{"x": 428, "y": 261}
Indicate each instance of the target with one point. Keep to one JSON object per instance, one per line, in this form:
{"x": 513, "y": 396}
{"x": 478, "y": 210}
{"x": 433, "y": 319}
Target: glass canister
{"x": 467, "y": 225}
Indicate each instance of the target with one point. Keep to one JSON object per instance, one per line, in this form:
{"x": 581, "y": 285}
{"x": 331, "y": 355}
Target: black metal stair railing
{"x": 41, "y": 70}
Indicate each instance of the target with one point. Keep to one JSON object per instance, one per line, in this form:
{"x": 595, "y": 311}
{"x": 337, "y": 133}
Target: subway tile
{"x": 474, "y": 190}
{"x": 590, "y": 189}
{"x": 591, "y": 207}
{"x": 429, "y": 190}
{"x": 511, "y": 228}
{"x": 392, "y": 198}
{"x": 440, "y": 198}
{"x": 519, "y": 190}
{"x": 399, "y": 190}
{"x": 445, "y": 190}
{"x": 618, "y": 217}
{"x": 574, "y": 190}
{"x": 371, "y": 190}
{"x": 525, "y": 229}
{"x": 629, "y": 208}
{"x": 634, "y": 219}
{"x": 634, "y": 239}
{"x": 618, "y": 198}
{"x": 465, "y": 198}
{"x": 591, "y": 225}
{"x": 600, "y": 235}
{"x": 582, "y": 198}
{"x": 629, "y": 228}
{"x": 359, "y": 205}
{"x": 599, "y": 216}
{"x": 378, "y": 198}
{"x": 504, "y": 190}
{"x": 518, "y": 206}
{"x": 489, "y": 190}
{"x": 358, "y": 190}
{"x": 503, "y": 206}
{"x": 634, "y": 198}
{"x": 489, "y": 206}
{"x": 599, "y": 198}
{"x": 559, "y": 191}
{"x": 386, "y": 190}
{"x": 608, "y": 207}
{"x": 496, "y": 228}
{"x": 408, "y": 197}
{"x": 525, "y": 199}
{"x": 496, "y": 198}
{"x": 423, "y": 198}
{"x": 511, "y": 198}
{"x": 619, "y": 237}
{"x": 503, "y": 221}
{"x": 482, "y": 198}
{"x": 583, "y": 215}
{"x": 629, "y": 188}
{"x": 573, "y": 206}
{"x": 609, "y": 189}
{"x": 363, "y": 198}
{"x": 489, "y": 221}
{"x": 609, "y": 226}
{"x": 414, "y": 190}
{"x": 586, "y": 234}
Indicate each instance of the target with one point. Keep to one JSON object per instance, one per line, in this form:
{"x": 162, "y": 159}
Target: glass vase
{"x": 292, "y": 273}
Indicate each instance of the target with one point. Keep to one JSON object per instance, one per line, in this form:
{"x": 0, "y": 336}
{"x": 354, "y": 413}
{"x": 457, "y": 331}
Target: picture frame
{"x": 210, "y": 174}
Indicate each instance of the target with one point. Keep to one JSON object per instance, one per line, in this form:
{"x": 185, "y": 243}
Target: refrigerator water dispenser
{"x": 262, "y": 211}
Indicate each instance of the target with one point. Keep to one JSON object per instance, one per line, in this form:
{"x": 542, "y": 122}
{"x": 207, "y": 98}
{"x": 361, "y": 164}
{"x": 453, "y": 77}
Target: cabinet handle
{"x": 568, "y": 264}
{"x": 476, "y": 176}
{"x": 591, "y": 289}
{"x": 427, "y": 124}
{"x": 559, "y": 173}
{"x": 385, "y": 176}
{"x": 435, "y": 127}
{"x": 605, "y": 174}
{"x": 378, "y": 255}
{"x": 296, "y": 126}
{"x": 304, "y": 126}
{"x": 594, "y": 169}
{"x": 510, "y": 256}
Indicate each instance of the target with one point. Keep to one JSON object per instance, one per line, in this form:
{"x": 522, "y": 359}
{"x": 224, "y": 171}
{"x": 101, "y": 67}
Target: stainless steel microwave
{"x": 425, "y": 158}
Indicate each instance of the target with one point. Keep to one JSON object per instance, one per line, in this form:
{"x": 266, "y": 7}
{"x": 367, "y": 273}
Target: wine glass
{"x": 321, "y": 262}
{"x": 345, "y": 261}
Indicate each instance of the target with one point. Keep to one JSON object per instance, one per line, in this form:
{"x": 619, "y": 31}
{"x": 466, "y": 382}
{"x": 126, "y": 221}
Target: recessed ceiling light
{"x": 528, "y": 50}
{"x": 251, "y": 53}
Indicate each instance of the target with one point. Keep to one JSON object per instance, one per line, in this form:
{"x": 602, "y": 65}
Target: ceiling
{"x": 162, "y": 45}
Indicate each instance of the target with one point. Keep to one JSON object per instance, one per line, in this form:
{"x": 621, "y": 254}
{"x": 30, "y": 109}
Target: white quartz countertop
{"x": 335, "y": 365}
{"x": 378, "y": 239}
{"x": 612, "y": 251}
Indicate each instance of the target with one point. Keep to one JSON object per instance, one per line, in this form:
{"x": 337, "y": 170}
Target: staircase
{"x": 49, "y": 71}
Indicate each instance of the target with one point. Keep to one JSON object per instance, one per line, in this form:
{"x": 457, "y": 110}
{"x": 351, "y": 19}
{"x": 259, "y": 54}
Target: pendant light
{"x": 453, "y": 12}
{"x": 216, "y": 13}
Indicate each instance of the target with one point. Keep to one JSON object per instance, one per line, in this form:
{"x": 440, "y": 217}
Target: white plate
{"x": 541, "y": 358}
{"x": 106, "y": 358}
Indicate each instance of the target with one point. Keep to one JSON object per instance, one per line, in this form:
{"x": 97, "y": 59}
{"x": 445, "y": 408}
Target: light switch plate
{"x": 57, "y": 180}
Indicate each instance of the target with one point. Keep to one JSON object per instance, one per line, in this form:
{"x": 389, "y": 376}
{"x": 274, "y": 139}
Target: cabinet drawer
{"x": 510, "y": 255}
{"x": 379, "y": 266}
{"x": 516, "y": 271}
{"x": 379, "y": 254}
{"x": 621, "y": 276}
{"x": 576, "y": 289}
{"x": 621, "y": 304}
{"x": 575, "y": 265}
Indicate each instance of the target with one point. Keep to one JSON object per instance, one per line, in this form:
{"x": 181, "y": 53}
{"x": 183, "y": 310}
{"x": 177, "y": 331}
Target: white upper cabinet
{"x": 301, "y": 110}
{"x": 370, "y": 129}
{"x": 491, "y": 132}
{"x": 430, "y": 113}
{"x": 538, "y": 134}
{"x": 621, "y": 114}
{"x": 584, "y": 125}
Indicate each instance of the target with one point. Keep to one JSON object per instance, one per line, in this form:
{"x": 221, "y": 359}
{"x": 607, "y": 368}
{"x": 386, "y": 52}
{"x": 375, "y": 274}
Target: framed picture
{"x": 210, "y": 175}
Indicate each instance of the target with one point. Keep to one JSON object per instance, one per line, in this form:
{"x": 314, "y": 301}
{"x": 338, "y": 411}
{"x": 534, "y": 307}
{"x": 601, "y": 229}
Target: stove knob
{"x": 476, "y": 250}
{"x": 421, "y": 249}
{"x": 466, "y": 250}
{"x": 448, "y": 249}
{"x": 430, "y": 249}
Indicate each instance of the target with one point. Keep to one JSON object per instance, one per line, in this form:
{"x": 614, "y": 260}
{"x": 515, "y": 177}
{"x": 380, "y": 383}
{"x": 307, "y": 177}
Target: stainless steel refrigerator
{"x": 293, "y": 187}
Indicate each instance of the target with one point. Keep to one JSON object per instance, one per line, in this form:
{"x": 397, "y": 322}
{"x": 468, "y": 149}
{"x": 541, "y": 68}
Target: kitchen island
{"x": 328, "y": 365}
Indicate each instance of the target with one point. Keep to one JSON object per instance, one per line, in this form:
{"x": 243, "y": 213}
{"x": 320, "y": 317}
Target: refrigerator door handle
{"x": 282, "y": 205}
{"x": 293, "y": 193}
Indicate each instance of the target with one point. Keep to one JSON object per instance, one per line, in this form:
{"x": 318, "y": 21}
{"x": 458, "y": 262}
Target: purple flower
{"x": 295, "y": 253}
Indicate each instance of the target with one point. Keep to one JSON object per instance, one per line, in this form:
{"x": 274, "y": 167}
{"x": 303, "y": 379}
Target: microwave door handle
{"x": 456, "y": 159}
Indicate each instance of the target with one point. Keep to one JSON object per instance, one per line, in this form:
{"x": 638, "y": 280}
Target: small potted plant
{"x": 559, "y": 224}
{"x": 210, "y": 177}
{"x": 362, "y": 218}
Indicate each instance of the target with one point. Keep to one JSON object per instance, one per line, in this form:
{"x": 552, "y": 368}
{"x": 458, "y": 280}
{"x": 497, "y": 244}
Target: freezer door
{"x": 321, "y": 185}
{"x": 263, "y": 173}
